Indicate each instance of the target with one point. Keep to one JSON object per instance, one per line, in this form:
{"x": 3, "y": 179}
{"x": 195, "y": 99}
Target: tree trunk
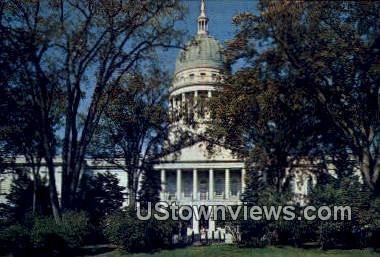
{"x": 133, "y": 192}
{"x": 52, "y": 186}
{"x": 132, "y": 199}
{"x": 376, "y": 173}
{"x": 66, "y": 193}
{"x": 35, "y": 182}
{"x": 35, "y": 187}
{"x": 366, "y": 169}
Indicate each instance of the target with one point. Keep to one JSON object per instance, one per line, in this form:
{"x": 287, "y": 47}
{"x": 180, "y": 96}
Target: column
{"x": 242, "y": 180}
{"x": 195, "y": 223}
{"x": 211, "y": 224}
{"x": 126, "y": 199}
{"x": 183, "y": 112}
{"x": 183, "y": 100}
{"x": 179, "y": 179}
{"x": 174, "y": 110}
{"x": 195, "y": 105}
{"x": 163, "y": 184}
{"x": 195, "y": 184}
{"x": 211, "y": 184}
{"x": 209, "y": 95}
{"x": 227, "y": 183}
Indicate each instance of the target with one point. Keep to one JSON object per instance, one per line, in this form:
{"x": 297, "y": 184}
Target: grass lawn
{"x": 231, "y": 251}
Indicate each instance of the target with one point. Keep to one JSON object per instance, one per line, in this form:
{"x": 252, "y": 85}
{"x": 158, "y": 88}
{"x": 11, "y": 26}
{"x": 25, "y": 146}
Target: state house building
{"x": 192, "y": 175}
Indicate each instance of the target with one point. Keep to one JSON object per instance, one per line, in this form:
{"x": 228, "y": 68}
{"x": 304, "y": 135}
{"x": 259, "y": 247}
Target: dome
{"x": 203, "y": 51}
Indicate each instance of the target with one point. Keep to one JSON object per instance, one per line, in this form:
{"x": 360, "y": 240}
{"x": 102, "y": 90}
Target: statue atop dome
{"x": 202, "y": 20}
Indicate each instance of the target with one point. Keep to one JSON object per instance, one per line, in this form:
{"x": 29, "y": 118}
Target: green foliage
{"x": 23, "y": 195}
{"x": 111, "y": 38}
{"x": 309, "y": 90}
{"x": 265, "y": 121}
{"x": 44, "y": 236}
{"x": 69, "y": 234}
{"x": 360, "y": 231}
{"x": 259, "y": 233}
{"x": 364, "y": 215}
{"x": 15, "y": 239}
{"x": 151, "y": 187}
{"x": 128, "y": 232}
{"x": 102, "y": 196}
{"x": 312, "y": 79}
{"x": 135, "y": 126}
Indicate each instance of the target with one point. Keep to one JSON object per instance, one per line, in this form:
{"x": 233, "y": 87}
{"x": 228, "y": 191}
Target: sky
{"x": 220, "y": 14}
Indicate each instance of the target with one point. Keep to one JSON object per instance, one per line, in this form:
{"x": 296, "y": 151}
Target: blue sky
{"x": 219, "y": 12}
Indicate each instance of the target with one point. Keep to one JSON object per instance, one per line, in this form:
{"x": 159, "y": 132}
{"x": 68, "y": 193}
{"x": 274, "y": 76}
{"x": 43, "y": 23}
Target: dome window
{"x": 191, "y": 76}
{"x": 203, "y": 75}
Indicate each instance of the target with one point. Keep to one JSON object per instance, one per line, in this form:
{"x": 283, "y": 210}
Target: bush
{"x": 349, "y": 233}
{"x": 19, "y": 202}
{"x": 69, "y": 234}
{"x": 126, "y": 231}
{"x": 44, "y": 236}
{"x": 102, "y": 196}
{"x": 15, "y": 239}
{"x": 260, "y": 233}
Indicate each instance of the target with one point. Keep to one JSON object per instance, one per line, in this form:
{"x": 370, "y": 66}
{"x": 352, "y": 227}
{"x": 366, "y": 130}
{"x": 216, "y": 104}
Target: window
{"x": 202, "y": 106}
{"x": 191, "y": 76}
{"x": 203, "y": 75}
{"x": 2, "y": 187}
{"x": 219, "y": 184}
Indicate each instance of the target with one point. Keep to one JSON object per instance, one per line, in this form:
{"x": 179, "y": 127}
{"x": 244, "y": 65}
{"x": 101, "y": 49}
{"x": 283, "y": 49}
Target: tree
{"x": 19, "y": 132}
{"x": 21, "y": 198}
{"x": 344, "y": 191}
{"x": 102, "y": 196}
{"x": 150, "y": 187}
{"x": 133, "y": 129}
{"x": 83, "y": 48}
{"x": 330, "y": 52}
{"x": 266, "y": 122}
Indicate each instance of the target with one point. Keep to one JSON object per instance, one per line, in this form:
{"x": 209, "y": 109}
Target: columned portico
{"x": 200, "y": 184}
